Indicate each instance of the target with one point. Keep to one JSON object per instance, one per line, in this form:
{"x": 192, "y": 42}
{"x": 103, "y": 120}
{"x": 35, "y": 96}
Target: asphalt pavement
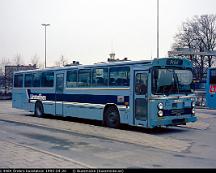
{"x": 53, "y": 142}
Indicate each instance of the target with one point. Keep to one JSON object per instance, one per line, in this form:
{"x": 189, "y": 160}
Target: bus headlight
{"x": 193, "y": 104}
{"x": 160, "y": 106}
{"x": 160, "y": 113}
{"x": 193, "y": 111}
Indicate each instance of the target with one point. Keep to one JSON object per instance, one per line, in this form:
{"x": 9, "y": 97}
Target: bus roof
{"x": 117, "y": 63}
{"x": 155, "y": 62}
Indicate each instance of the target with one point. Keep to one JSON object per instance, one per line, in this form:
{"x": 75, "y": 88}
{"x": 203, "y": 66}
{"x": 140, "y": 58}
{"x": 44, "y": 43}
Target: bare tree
{"x": 199, "y": 34}
{"x": 18, "y": 59}
{"x": 186, "y": 37}
{"x": 61, "y": 62}
{"x": 4, "y": 62}
{"x": 35, "y": 60}
{"x": 206, "y": 34}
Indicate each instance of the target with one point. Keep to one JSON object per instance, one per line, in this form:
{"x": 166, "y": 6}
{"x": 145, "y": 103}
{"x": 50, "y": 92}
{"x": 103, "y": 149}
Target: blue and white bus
{"x": 211, "y": 88}
{"x": 138, "y": 93}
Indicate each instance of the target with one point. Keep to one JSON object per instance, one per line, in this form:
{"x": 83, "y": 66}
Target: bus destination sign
{"x": 174, "y": 62}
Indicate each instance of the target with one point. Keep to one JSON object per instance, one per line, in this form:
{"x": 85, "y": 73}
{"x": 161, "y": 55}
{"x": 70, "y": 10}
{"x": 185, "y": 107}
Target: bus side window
{"x": 47, "y": 79}
{"x": 100, "y": 77}
{"x": 119, "y": 76}
{"x": 36, "y": 79}
{"x": 112, "y": 82}
{"x": 84, "y": 78}
{"x": 213, "y": 76}
{"x": 28, "y": 80}
{"x": 71, "y": 79}
{"x": 18, "y": 81}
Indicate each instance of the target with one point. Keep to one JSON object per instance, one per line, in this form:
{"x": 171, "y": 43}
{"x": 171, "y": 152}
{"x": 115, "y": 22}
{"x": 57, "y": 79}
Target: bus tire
{"x": 39, "y": 110}
{"x": 111, "y": 117}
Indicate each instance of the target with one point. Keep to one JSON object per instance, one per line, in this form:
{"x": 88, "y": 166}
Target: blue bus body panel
{"x": 20, "y": 100}
{"x": 210, "y": 96}
{"x": 177, "y": 109}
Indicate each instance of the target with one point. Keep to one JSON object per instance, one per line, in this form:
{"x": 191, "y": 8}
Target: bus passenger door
{"x": 59, "y": 94}
{"x": 140, "y": 98}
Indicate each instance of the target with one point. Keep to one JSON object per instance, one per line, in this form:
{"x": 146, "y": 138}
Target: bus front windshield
{"x": 172, "y": 81}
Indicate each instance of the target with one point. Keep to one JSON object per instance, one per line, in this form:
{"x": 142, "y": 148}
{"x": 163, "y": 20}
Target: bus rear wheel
{"x": 39, "y": 111}
{"x": 111, "y": 117}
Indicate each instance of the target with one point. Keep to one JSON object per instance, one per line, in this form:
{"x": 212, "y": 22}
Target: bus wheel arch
{"x": 39, "y": 109}
{"x": 111, "y": 116}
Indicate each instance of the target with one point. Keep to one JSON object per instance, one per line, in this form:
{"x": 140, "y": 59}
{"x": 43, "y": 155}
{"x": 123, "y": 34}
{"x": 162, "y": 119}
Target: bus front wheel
{"x": 39, "y": 111}
{"x": 111, "y": 117}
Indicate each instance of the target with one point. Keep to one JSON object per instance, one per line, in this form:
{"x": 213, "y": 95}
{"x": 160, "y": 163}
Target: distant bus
{"x": 148, "y": 94}
{"x": 211, "y": 88}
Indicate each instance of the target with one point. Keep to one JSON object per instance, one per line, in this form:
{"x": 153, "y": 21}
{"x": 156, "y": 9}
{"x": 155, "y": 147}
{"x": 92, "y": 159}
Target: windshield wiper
{"x": 175, "y": 85}
{"x": 175, "y": 76}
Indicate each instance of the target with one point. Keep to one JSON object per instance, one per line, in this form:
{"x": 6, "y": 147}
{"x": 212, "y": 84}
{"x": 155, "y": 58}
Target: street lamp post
{"x": 158, "y": 24}
{"x": 45, "y": 25}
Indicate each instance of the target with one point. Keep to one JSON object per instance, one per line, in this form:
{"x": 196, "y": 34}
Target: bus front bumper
{"x": 173, "y": 121}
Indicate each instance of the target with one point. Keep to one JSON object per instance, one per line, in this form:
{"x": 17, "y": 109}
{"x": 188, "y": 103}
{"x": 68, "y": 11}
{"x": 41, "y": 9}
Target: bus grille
{"x": 177, "y": 112}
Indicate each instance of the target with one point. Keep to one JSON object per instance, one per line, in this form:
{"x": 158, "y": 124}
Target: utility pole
{"x": 158, "y": 27}
{"x": 45, "y": 25}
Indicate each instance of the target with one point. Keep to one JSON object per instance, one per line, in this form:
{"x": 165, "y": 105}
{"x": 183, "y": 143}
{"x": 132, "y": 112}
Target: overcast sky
{"x": 88, "y": 30}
